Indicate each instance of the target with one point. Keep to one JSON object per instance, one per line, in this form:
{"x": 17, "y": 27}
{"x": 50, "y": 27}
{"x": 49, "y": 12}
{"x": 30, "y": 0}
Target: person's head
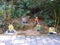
{"x": 36, "y": 17}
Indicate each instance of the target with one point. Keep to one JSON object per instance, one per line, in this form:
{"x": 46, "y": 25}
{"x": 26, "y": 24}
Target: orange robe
{"x": 36, "y": 20}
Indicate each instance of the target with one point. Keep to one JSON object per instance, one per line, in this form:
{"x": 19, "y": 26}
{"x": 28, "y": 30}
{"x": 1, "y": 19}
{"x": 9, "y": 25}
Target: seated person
{"x": 24, "y": 20}
{"x": 52, "y": 30}
{"x": 39, "y": 27}
{"x": 11, "y": 28}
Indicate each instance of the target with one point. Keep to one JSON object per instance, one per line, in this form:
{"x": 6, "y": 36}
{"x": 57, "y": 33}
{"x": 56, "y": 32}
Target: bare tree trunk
{"x": 5, "y": 10}
{"x": 55, "y": 17}
{"x": 10, "y": 12}
{"x": 57, "y": 22}
{"x": 56, "y": 25}
{"x": 4, "y": 2}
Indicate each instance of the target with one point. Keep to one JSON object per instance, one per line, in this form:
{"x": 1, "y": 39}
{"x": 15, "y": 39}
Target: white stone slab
{"x": 2, "y": 43}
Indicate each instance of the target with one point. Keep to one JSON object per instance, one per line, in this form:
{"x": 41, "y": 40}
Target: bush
{"x": 18, "y": 25}
{"x": 1, "y": 25}
{"x": 1, "y": 28}
{"x": 26, "y": 27}
{"x": 49, "y": 22}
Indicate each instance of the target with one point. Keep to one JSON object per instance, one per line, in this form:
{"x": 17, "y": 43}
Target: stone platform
{"x": 29, "y": 40}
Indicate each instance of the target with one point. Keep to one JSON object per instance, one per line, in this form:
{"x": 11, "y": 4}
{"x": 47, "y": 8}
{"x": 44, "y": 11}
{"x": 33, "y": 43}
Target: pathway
{"x": 29, "y": 40}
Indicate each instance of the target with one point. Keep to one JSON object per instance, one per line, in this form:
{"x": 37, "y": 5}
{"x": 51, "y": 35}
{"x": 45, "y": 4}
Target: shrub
{"x": 18, "y": 25}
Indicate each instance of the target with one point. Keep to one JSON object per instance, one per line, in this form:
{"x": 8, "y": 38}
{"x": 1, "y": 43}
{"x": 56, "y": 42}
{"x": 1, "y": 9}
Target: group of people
{"x": 39, "y": 27}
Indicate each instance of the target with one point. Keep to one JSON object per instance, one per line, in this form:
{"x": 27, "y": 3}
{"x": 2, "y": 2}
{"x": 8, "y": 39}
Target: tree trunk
{"x": 55, "y": 17}
{"x": 57, "y": 22}
{"x": 4, "y": 9}
{"x": 10, "y": 12}
{"x": 5, "y": 13}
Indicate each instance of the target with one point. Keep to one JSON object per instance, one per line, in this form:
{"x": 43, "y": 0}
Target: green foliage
{"x": 24, "y": 7}
{"x": 18, "y": 25}
{"x": 1, "y": 10}
{"x": 49, "y": 22}
{"x": 0, "y": 2}
{"x": 1, "y": 25}
{"x": 47, "y": 11}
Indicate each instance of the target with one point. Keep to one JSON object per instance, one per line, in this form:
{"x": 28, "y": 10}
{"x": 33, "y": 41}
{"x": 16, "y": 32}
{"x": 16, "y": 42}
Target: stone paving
{"x": 29, "y": 40}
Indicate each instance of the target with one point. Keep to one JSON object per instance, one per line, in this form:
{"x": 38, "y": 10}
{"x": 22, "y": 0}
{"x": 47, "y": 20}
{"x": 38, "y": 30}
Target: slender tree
{"x": 5, "y": 13}
{"x": 10, "y": 12}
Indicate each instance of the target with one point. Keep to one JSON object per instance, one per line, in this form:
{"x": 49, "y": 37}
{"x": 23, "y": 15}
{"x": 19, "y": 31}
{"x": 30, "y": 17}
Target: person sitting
{"x": 39, "y": 27}
{"x": 11, "y": 28}
{"x": 24, "y": 20}
{"x": 52, "y": 30}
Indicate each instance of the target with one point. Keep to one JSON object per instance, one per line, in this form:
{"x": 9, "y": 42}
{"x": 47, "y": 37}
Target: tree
{"x": 5, "y": 13}
{"x": 48, "y": 9}
{"x": 10, "y": 12}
